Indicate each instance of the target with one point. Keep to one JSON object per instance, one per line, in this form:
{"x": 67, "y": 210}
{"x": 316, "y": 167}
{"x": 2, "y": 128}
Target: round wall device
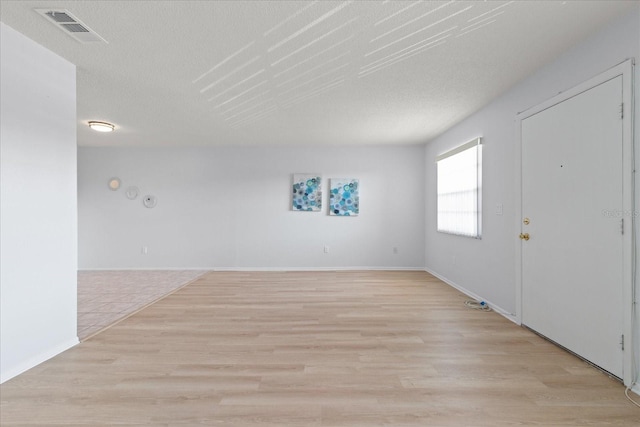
{"x": 132, "y": 193}
{"x": 149, "y": 201}
{"x": 114, "y": 184}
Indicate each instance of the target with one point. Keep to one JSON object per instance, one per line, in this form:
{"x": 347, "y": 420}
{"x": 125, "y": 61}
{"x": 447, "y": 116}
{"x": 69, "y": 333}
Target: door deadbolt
{"x": 526, "y": 221}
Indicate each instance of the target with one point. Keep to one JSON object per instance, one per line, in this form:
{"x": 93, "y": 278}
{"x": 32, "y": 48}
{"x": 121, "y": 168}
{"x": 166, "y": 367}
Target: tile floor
{"x": 104, "y": 297}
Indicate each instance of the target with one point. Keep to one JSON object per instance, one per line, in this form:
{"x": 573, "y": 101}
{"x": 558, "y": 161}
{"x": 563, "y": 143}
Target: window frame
{"x": 476, "y": 144}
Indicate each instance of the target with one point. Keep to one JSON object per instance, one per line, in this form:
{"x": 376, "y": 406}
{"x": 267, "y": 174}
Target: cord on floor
{"x": 626, "y": 393}
{"x": 483, "y": 306}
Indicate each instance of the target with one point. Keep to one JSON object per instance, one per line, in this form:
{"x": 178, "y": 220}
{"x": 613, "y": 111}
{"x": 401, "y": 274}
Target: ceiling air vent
{"x": 71, "y": 25}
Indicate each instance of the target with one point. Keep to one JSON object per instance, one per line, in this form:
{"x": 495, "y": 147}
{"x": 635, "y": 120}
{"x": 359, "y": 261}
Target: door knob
{"x": 524, "y": 236}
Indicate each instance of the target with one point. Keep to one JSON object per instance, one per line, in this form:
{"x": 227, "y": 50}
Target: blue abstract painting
{"x": 307, "y": 192}
{"x": 344, "y": 198}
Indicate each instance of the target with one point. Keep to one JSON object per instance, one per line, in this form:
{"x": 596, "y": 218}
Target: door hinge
{"x": 622, "y": 341}
{"x": 622, "y": 226}
{"x": 622, "y": 110}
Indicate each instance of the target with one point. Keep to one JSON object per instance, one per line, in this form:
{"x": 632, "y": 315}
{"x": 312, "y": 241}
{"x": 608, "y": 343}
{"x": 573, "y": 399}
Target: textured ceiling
{"x": 301, "y": 72}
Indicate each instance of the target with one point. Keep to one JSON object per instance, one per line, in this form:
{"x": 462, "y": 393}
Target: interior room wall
{"x": 636, "y": 213}
{"x": 38, "y": 216}
{"x": 229, "y": 208}
{"x": 486, "y": 267}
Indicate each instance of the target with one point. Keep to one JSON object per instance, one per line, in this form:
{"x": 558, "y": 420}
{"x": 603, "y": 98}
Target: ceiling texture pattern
{"x": 300, "y": 72}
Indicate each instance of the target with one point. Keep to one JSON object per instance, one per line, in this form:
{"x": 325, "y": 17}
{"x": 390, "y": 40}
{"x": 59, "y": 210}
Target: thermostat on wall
{"x": 149, "y": 201}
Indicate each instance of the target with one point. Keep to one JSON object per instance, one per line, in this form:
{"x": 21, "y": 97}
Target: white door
{"x": 572, "y": 264}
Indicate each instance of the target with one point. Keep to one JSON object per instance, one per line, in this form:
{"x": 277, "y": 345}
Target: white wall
{"x": 38, "y": 219}
{"x": 636, "y": 313}
{"x": 486, "y": 268}
{"x": 229, "y": 208}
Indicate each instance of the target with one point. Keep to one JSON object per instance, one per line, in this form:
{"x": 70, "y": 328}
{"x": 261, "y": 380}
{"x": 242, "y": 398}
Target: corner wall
{"x": 229, "y": 208}
{"x": 38, "y": 218}
{"x": 486, "y": 268}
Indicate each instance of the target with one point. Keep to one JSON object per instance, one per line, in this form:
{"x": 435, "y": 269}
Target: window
{"x": 460, "y": 190}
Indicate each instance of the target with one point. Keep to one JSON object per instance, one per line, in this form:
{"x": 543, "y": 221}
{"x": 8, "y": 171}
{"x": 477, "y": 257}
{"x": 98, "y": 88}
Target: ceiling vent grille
{"x": 69, "y": 24}
{"x": 75, "y": 28}
{"x": 59, "y": 16}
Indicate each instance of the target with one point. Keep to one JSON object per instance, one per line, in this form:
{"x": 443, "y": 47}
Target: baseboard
{"x": 504, "y": 313}
{"x": 248, "y": 269}
{"x": 38, "y": 359}
{"x": 146, "y": 269}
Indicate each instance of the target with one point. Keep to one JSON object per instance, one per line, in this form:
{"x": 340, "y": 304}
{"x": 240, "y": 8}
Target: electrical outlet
{"x": 326, "y": 249}
{"x": 144, "y": 250}
{"x": 499, "y": 209}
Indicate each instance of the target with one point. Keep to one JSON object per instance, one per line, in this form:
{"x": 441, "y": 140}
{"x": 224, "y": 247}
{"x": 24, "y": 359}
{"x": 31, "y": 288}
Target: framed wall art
{"x": 307, "y": 192}
{"x": 344, "y": 196}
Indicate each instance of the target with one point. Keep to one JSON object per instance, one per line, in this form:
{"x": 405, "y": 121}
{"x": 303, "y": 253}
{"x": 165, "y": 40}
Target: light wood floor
{"x": 104, "y": 297}
{"x": 315, "y": 349}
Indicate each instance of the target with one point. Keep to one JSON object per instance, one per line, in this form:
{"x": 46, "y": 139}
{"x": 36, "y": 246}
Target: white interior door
{"x": 572, "y": 197}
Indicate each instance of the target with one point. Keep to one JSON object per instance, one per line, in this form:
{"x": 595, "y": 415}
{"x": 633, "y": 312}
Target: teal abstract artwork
{"x": 344, "y": 197}
{"x": 307, "y": 192}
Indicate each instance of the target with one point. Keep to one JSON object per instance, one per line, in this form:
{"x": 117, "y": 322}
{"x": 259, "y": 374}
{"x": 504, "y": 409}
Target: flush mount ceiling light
{"x": 101, "y": 126}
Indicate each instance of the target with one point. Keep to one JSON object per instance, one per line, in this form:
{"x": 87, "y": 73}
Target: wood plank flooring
{"x": 315, "y": 349}
{"x": 104, "y": 297}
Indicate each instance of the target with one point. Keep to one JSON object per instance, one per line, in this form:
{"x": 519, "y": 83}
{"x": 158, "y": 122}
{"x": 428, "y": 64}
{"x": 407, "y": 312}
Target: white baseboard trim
{"x": 37, "y": 359}
{"x": 203, "y": 269}
{"x": 267, "y": 269}
{"x": 249, "y": 269}
{"x": 504, "y": 313}
{"x": 636, "y": 389}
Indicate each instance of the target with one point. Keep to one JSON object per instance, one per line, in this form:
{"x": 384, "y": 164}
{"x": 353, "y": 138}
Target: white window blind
{"x": 460, "y": 190}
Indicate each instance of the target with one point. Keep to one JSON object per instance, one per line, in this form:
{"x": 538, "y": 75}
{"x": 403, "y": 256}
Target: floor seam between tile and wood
{"x": 107, "y": 297}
